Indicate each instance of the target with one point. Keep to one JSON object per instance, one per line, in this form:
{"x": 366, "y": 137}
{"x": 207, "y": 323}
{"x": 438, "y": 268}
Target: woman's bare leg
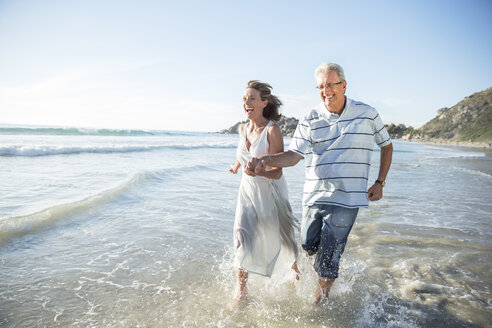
{"x": 298, "y": 275}
{"x": 242, "y": 279}
{"x": 294, "y": 267}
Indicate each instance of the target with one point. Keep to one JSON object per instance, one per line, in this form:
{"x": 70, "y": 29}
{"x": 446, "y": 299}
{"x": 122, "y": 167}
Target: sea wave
{"x": 20, "y": 225}
{"x": 30, "y": 223}
{"x": 46, "y": 150}
{"x": 473, "y": 172}
{"x": 453, "y": 153}
{"x": 87, "y": 131}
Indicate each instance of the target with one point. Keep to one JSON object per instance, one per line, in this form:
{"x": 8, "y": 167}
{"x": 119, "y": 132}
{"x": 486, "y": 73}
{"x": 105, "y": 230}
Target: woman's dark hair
{"x": 271, "y": 110}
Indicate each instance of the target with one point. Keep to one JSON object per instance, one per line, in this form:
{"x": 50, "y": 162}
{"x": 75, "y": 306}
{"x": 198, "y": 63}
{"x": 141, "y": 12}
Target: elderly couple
{"x": 336, "y": 139}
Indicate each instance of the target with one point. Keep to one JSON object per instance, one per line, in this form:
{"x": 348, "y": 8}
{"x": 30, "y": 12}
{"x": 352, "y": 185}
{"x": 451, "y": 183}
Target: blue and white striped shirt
{"x": 337, "y": 153}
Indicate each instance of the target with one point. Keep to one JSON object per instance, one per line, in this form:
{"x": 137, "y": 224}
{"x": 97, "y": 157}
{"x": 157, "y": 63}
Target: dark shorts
{"x": 324, "y": 232}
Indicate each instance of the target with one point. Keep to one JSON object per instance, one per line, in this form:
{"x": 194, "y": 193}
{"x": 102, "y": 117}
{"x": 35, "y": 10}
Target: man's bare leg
{"x": 323, "y": 289}
{"x": 242, "y": 279}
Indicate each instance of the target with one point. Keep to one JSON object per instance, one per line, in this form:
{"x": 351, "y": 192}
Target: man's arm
{"x": 376, "y": 190}
{"x": 283, "y": 159}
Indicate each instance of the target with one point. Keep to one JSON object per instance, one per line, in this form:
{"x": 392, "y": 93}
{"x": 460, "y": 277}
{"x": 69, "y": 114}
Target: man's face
{"x": 332, "y": 95}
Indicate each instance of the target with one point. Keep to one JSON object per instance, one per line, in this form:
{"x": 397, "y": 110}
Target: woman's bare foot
{"x": 239, "y": 300}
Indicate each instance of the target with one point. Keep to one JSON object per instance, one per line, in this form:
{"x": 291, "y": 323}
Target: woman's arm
{"x": 235, "y": 167}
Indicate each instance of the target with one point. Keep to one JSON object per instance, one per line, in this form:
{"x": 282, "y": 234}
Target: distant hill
{"x": 470, "y": 120}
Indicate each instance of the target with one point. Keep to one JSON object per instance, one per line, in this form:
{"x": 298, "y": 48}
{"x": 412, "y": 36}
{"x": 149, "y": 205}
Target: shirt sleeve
{"x": 301, "y": 141}
{"x": 381, "y": 135}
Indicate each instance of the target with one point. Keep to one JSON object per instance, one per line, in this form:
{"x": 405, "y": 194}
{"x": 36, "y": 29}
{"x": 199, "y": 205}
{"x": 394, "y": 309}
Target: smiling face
{"x": 252, "y": 104}
{"x": 334, "y": 97}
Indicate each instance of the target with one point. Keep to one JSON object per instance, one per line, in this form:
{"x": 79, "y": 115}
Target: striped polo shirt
{"x": 337, "y": 152}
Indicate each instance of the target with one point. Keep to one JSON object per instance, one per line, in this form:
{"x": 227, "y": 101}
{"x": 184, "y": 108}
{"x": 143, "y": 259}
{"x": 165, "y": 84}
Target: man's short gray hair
{"x": 324, "y": 68}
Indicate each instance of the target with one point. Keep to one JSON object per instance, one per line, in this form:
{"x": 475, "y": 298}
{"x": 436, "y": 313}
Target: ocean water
{"x": 105, "y": 228}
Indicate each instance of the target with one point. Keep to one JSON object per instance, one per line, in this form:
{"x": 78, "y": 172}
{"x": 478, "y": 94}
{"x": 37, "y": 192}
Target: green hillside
{"x": 470, "y": 120}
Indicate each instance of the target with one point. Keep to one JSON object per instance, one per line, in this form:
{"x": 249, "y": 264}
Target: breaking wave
{"x": 69, "y": 131}
{"x": 46, "y": 150}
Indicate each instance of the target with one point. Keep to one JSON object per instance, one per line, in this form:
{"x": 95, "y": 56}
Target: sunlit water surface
{"x": 136, "y": 231}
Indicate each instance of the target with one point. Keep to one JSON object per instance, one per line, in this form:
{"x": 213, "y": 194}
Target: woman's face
{"x": 252, "y": 104}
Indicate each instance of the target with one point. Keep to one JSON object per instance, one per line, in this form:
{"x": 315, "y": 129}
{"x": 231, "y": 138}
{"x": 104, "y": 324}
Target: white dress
{"x": 264, "y": 219}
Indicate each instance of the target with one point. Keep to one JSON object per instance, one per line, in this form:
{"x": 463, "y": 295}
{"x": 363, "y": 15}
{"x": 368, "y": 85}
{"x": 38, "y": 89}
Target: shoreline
{"x": 454, "y": 143}
{"x": 470, "y": 146}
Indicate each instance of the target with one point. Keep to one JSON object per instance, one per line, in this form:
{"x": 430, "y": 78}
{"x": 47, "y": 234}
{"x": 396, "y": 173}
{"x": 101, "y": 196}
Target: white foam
{"x": 45, "y": 150}
{"x": 473, "y": 172}
{"x": 440, "y": 153}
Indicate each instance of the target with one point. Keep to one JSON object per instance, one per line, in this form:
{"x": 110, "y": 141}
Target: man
{"x": 336, "y": 139}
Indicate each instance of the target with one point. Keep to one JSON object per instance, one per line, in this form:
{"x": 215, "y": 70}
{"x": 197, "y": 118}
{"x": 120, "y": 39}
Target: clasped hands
{"x": 256, "y": 166}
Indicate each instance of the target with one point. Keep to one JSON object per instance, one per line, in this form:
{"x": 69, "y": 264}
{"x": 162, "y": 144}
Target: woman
{"x": 264, "y": 219}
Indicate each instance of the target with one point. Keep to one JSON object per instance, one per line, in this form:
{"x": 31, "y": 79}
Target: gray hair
{"x": 324, "y": 68}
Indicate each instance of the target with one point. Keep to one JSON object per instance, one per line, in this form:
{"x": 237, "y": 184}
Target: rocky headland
{"x": 469, "y": 122}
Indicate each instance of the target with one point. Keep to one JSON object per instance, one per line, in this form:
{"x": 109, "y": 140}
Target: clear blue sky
{"x": 183, "y": 65}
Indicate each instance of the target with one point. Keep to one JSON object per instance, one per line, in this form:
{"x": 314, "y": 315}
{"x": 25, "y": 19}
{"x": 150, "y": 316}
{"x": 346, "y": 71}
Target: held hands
{"x": 375, "y": 192}
{"x": 255, "y": 167}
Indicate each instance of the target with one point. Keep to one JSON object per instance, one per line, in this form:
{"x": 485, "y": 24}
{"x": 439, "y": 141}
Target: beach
{"x": 113, "y": 228}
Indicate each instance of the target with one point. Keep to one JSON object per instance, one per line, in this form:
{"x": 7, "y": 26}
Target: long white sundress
{"x": 264, "y": 219}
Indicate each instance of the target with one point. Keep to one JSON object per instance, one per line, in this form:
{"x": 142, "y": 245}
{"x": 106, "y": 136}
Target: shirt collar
{"x": 329, "y": 116}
